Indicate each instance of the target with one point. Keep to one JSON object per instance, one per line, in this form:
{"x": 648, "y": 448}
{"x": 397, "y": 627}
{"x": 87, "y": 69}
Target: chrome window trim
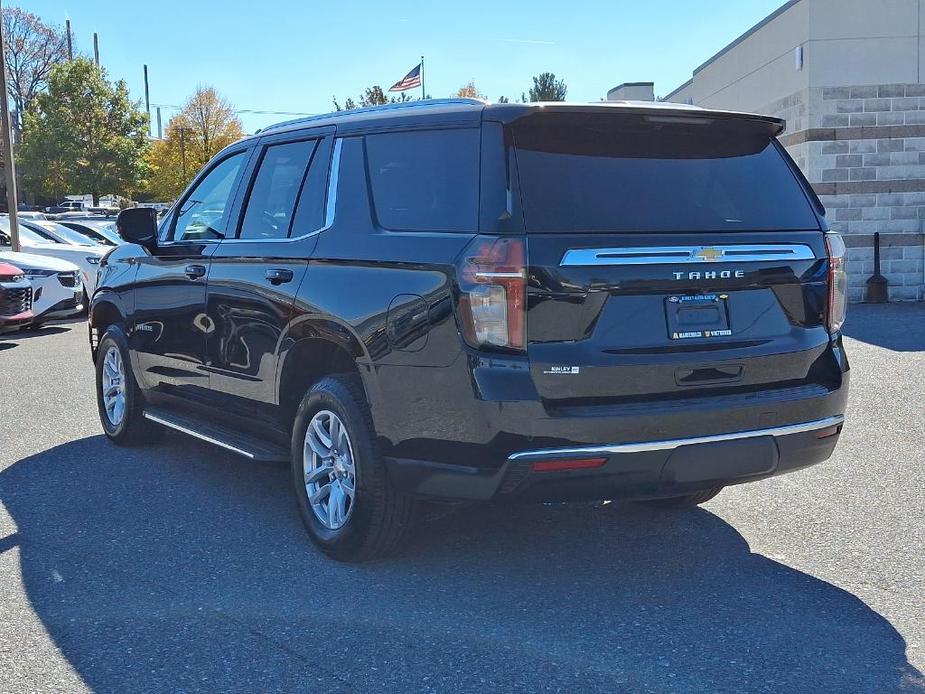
{"x": 329, "y": 207}
{"x": 670, "y": 445}
{"x": 700, "y": 255}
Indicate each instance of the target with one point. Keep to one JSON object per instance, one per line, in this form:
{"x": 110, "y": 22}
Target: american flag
{"x": 409, "y": 81}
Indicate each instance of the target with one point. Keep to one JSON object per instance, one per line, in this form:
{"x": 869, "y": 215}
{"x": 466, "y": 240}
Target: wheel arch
{"x": 105, "y": 310}
{"x": 310, "y": 359}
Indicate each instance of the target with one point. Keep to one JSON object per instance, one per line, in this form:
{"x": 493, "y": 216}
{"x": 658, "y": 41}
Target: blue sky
{"x": 294, "y": 56}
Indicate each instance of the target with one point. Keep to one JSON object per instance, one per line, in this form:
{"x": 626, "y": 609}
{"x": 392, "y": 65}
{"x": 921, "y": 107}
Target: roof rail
{"x": 399, "y": 105}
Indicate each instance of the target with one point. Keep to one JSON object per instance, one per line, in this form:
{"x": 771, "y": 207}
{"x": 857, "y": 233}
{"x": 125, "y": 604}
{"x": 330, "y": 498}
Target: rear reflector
{"x": 828, "y": 432}
{"x": 566, "y": 465}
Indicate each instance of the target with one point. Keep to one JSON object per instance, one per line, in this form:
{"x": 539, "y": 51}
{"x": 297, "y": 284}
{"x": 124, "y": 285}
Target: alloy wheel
{"x": 330, "y": 470}
{"x": 113, "y": 386}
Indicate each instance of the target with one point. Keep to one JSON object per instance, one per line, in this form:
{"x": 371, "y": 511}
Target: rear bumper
{"x": 476, "y": 434}
{"x": 640, "y": 470}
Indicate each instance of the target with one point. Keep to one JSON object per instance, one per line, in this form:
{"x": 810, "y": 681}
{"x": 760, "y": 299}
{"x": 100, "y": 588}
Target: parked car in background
{"x": 87, "y": 258}
{"x": 15, "y": 298}
{"x": 453, "y": 300}
{"x": 105, "y": 211}
{"x": 60, "y": 233}
{"x": 25, "y": 214}
{"x": 68, "y": 206}
{"x": 57, "y": 285}
{"x": 95, "y": 227}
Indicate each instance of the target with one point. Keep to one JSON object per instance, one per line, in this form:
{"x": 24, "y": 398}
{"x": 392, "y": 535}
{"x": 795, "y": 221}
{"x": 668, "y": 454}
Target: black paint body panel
{"x": 448, "y": 416}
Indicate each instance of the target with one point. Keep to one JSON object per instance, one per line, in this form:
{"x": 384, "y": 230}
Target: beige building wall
{"x": 849, "y": 78}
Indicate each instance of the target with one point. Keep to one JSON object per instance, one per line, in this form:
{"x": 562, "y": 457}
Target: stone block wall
{"x": 863, "y": 150}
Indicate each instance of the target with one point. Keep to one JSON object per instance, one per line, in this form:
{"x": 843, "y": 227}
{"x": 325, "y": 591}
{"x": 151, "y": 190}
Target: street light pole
{"x": 10, "y": 165}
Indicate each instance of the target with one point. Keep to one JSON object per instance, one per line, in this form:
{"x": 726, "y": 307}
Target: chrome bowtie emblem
{"x": 707, "y": 254}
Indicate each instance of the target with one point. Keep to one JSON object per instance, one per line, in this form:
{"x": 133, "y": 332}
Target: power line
{"x": 252, "y": 111}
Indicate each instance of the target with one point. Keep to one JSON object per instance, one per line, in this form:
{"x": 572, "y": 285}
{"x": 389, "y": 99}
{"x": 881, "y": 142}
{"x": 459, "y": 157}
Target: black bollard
{"x": 877, "y": 285}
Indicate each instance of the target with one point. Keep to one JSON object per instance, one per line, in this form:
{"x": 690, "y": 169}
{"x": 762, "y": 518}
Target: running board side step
{"x": 245, "y": 445}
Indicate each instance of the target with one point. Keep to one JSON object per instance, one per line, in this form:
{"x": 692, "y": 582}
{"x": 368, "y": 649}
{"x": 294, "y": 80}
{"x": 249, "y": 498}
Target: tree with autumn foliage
{"x": 470, "y": 91}
{"x": 33, "y": 48}
{"x": 84, "y": 135}
{"x": 206, "y": 125}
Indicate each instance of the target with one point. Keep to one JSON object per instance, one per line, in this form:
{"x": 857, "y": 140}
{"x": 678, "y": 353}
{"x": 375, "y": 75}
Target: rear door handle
{"x": 279, "y": 275}
{"x": 195, "y": 272}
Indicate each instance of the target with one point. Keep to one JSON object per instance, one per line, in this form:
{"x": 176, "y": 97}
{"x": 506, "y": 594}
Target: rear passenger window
{"x": 277, "y": 187}
{"x": 425, "y": 180}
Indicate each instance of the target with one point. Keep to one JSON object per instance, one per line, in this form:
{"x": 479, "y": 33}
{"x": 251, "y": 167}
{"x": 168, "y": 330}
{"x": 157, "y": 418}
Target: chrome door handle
{"x": 195, "y": 272}
{"x": 279, "y": 275}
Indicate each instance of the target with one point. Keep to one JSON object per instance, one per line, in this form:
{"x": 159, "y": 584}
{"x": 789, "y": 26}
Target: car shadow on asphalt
{"x": 44, "y": 331}
{"x": 897, "y": 327}
{"x": 177, "y": 567}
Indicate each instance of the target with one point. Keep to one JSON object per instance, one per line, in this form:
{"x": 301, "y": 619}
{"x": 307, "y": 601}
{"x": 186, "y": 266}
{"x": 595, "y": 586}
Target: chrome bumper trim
{"x": 645, "y": 446}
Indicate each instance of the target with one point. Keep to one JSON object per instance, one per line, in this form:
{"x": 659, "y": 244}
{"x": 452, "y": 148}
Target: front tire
{"x": 349, "y": 508}
{"x": 118, "y": 398}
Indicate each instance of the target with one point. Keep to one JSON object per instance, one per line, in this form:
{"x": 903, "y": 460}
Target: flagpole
{"x": 423, "y": 94}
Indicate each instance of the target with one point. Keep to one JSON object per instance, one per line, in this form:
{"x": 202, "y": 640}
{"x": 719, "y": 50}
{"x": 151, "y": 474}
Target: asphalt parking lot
{"x": 182, "y": 568}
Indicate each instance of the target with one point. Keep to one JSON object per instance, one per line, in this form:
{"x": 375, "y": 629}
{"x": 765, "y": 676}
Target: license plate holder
{"x": 697, "y": 316}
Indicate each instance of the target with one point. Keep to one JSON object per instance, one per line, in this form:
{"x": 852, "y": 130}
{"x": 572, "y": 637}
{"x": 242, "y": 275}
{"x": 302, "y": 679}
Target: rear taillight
{"x": 493, "y": 290}
{"x": 838, "y": 282}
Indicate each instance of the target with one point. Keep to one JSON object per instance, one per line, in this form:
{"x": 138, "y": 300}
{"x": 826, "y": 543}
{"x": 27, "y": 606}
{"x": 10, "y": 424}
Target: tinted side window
{"x": 203, "y": 214}
{"x": 279, "y": 180}
{"x": 310, "y": 210}
{"x": 425, "y": 180}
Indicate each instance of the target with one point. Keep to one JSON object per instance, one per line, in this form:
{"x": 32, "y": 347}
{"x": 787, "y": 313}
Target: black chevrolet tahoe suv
{"x": 452, "y": 300}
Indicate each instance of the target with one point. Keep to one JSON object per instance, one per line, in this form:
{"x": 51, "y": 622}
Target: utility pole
{"x": 160, "y": 132}
{"x": 96, "y": 48}
{"x": 147, "y": 101}
{"x": 8, "y": 146}
{"x": 70, "y": 44}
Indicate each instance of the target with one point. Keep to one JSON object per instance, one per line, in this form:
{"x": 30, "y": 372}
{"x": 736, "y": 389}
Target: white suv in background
{"x": 87, "y": 258}
{"x": 57, "y": 286}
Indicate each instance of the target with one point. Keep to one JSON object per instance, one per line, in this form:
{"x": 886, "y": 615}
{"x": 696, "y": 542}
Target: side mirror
{"x": 138, "y": 225}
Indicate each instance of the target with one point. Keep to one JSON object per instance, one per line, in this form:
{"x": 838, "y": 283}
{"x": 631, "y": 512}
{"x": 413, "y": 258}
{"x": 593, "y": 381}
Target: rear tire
{"x": 122, "y": 417}
{"x": 341, "y": 466}
{"x": 687, "y": 501}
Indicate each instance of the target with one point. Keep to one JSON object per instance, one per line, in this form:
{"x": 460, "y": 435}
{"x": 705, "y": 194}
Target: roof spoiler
{"x": 652, "y": 112}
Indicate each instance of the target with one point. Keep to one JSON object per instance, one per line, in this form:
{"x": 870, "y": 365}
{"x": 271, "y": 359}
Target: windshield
{"x": 26, "y": 234}
{"x": 103, "y": 228}
{"x": 605, "y": 173}
{"x": 62, "y": 232}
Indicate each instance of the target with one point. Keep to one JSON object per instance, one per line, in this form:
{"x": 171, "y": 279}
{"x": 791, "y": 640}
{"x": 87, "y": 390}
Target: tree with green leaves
{"x": 547, "y": 88}
{"x": 372, "y": 96}
{"x": 84, "y": 135}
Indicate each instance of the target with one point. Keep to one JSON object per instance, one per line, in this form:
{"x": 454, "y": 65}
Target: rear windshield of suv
{"x": 603, "y": 172}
